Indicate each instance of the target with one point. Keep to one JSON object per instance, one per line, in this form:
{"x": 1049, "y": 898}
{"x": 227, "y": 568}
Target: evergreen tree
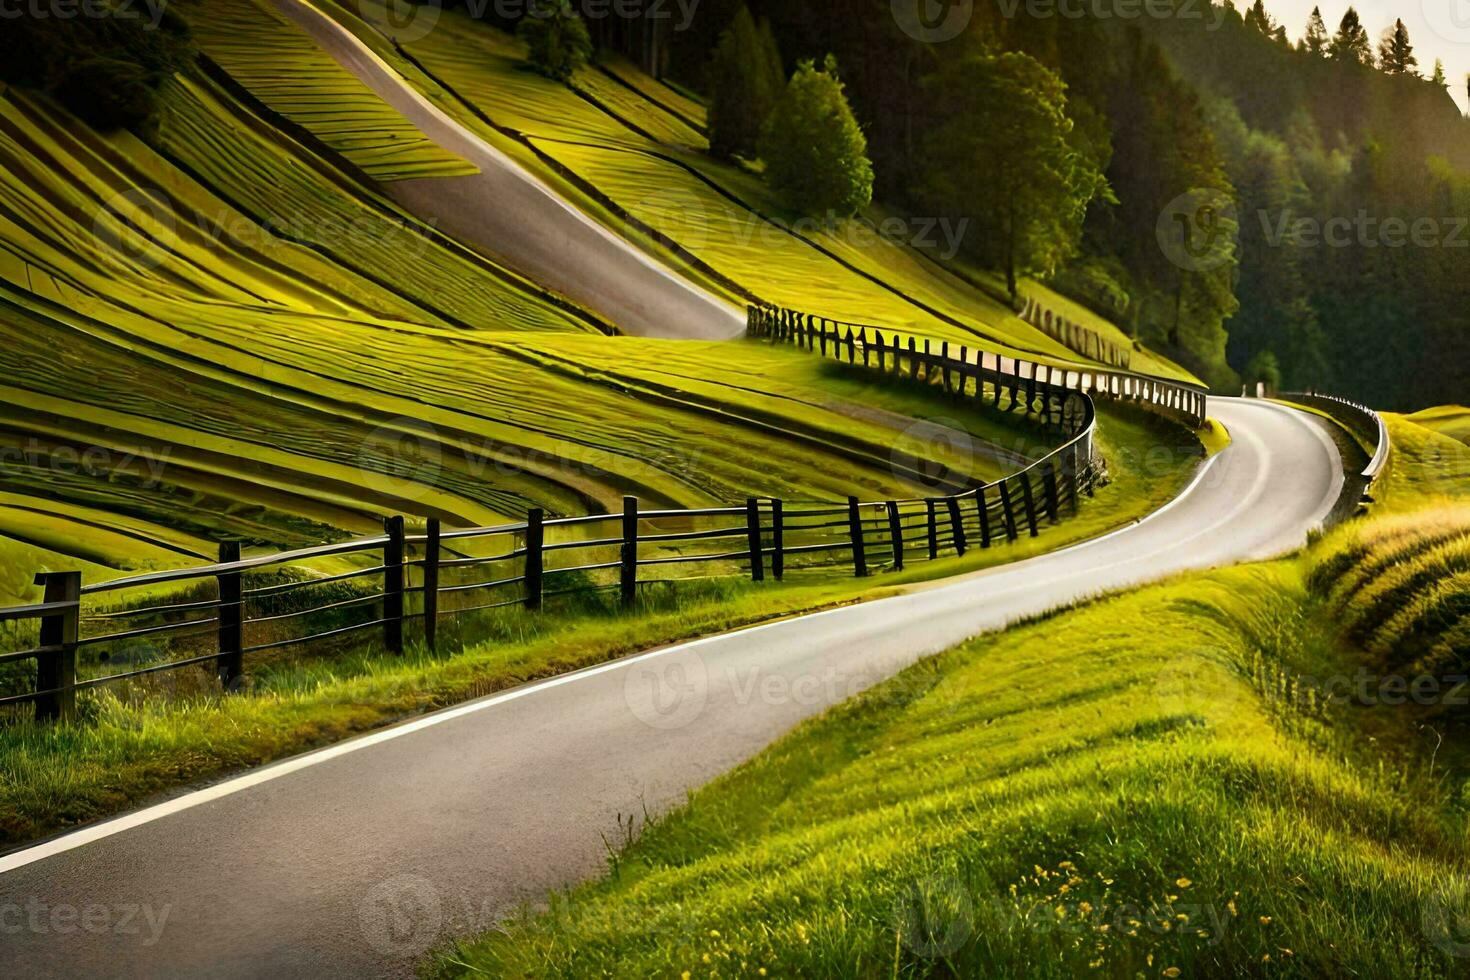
{"x": 557, "y": 39}
{"x": 1396, "y": 54}
{"x": 745, "y": 80}
{"x": 1005, "y": 156}
{"x": 1315, "y": 40}
{"x": 816, "y": 154}
{"x": 1350, "y": 43}
{"x": 1259, "y": 20}
{"x": 1439, "y": 76}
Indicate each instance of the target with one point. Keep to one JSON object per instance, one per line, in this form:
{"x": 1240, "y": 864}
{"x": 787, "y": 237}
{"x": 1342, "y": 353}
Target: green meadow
{"x": 1169, "y": 782}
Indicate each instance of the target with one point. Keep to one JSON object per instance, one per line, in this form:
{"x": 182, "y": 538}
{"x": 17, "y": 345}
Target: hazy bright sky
{"x": 1437, "y": 28}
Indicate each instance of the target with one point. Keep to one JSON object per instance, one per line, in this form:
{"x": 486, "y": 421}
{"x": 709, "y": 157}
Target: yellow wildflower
{"x": 1183, "y": 882}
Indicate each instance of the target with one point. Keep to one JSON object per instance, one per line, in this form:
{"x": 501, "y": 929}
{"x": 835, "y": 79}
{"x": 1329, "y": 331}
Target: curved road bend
{"x": 351, "y": 861}
{"x": 510, "y": 214}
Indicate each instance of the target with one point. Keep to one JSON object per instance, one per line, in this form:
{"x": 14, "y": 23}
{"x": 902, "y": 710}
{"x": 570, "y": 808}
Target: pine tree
{"x": 1350, "y": 43}
{"x": 1315, "y": 40}
{"x": 1396, "y": 54}
{"x": 1259, "y": 20}
{"x": 1440, "y": 78}
{"x": 816, "y": 154}
{"x": 744, "y": 86}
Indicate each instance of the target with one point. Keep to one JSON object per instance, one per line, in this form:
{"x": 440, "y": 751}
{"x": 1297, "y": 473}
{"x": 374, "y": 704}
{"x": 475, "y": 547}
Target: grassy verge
{"x": 1118, "y": 790}
{"x": 1170, "y": 782}
{"x": 141, "y": 740}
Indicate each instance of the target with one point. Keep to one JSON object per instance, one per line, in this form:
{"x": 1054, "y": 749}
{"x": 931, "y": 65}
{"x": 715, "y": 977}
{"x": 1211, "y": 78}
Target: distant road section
{"x": 353, "y": 861}
{"x": 511, "y": 215}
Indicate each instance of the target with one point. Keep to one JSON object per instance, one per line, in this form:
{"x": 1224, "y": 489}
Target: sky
{"x": 1437, "y": 29}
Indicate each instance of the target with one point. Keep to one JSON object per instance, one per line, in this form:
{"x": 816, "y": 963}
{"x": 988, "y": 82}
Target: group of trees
{"x": 804, "y": 130}
{"x": 106, "y": 69}
{"x": 1213, "y": 117}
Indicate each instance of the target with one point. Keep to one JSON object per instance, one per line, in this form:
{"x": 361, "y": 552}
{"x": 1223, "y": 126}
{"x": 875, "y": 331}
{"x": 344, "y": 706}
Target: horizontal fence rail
{"x": 1087, "y": 342}
{"x": 150, "y": 628}
{"x": 868, "y": 345}
{"x": 1362, "y": 421}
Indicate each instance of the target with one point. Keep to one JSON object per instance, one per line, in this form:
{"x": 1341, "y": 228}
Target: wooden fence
{"x": 961, "y": 370}
{"x": 1087, "y": 342}
{"x": 214, "y": 618}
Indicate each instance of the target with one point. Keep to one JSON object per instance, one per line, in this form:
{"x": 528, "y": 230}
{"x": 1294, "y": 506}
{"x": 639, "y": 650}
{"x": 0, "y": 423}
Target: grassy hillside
{"x": 1449, "y": 420}
{"x": 624, "y": 144}
{"x": 259, "y": 345}
{"x": 1169, "y": 783}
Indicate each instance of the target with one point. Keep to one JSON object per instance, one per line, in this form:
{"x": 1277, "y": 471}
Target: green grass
{"x": 1116, "y": 790}
{"x": 273, "y": 58}
{"x": 1168, "y": 782}
{"x": 638, "y": 144}
{"x": 272, "y": 333}
{"x": 1449, "y": 420}
{"x": 141, "y": 738}
{"x": 1401, "y": 588}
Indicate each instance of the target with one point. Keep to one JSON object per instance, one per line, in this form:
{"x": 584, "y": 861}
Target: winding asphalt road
{"x": 510, "y": 214}
{"x": 353, "y": 860}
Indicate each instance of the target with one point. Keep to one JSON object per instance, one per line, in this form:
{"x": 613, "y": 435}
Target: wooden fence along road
{"x": 217, "y": 616}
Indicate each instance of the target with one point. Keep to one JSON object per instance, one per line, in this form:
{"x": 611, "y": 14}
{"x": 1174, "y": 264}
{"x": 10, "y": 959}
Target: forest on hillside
{"x": 1341, "y": 167}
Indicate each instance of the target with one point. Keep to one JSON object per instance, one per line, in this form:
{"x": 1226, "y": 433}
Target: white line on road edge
{"x": 117, "y": 825}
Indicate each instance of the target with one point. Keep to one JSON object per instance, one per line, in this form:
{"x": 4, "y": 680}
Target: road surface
{"x": 352, "y": 861}
{"x": 508, "y": 213}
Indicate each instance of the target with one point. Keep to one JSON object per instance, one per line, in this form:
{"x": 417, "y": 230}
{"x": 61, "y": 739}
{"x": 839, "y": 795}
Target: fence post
{"x": 1008, "y": 510}
{"x": 778, "y": 540}
{"x": 1049, "y": 487}
{"x": 393, "y": 585}
{"x": 863, "y": 339}
{"x": 1069, "y": 476}
{"x": 57, "y": 672}
{"x": 984, "y": 508}
{"x": 231, "y": 618}
{"x": 753, "y": 531}
{"x": 535, "y": 557}
{"x": 855, "y": 531}
{"x": 1029, "y": 499}
{"x": 895, "y": 535}
{"x": 878, "y": 344}
{"x": 628, "y": 578}
{"x": 932, "y": 511}
{"x": 958, "y": 523}
{"x": 431, "y": 584}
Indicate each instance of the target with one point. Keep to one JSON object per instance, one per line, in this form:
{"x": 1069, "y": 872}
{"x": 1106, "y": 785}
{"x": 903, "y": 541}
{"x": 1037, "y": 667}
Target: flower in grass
{"x": 1183, "y": 883}
{"x": 1265, "y": 920}
{"x": 1172, "y": 971}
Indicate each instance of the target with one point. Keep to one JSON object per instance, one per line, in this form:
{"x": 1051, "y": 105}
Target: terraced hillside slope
{"x": 631, "y": 152}
{"x": 230, "y": 330}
